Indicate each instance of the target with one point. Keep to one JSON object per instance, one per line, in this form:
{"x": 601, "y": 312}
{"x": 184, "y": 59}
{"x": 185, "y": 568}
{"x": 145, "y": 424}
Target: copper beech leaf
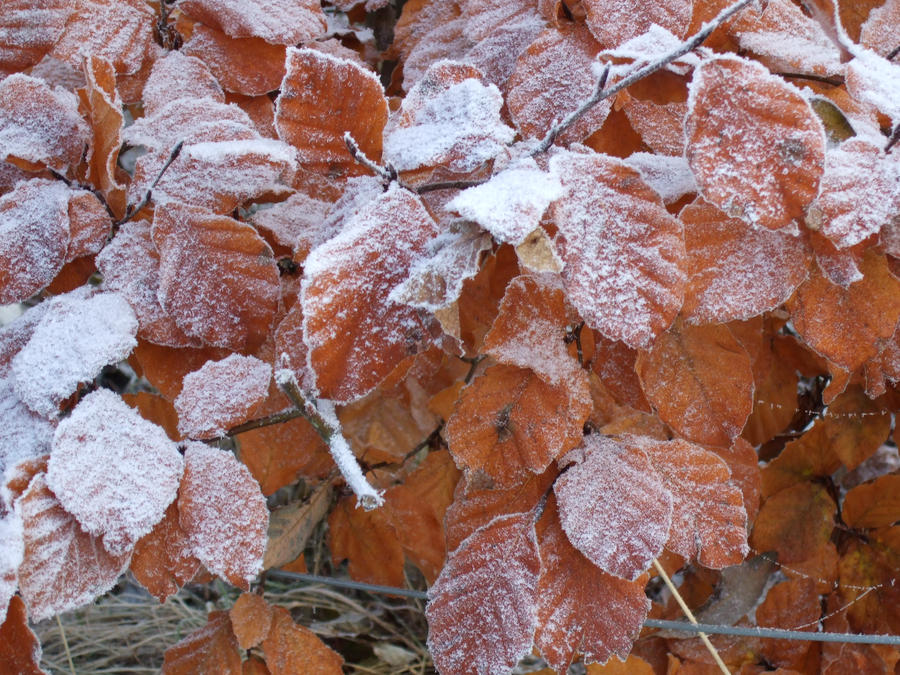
{"x": 212, "y": 648}
{"x": 163, "y": 560}
{"x": 223, "y": 513}
{"x": 20, "y": 649}
{"x": 481, "y": 611}
{"x": 511, "y": 422}
{"x": 26, "y": 38}
{"x": 700, "y": 381}
{"x": 355, "y": 332}
{"x": 322, "y": 97}
{"x": 12, "y": 537}
{"x": 289, "y": 649}
{"x": 581, "y": 609}
{"x": 709, "y": 521}
{"x": 625, "y": 265}
{"x": 222, "y": 394}
{"x": 845, "y": 325}
{"x": 613, "y": 22}
{"x": 217, "y": 277}
{"x": 277, "y": 21}
{"x": 737, "y": 271}
{"x": 64, "y": 567}
{"x": 177, "y": 75}
{"x": 113, "y": 470}
{"x": 368, "y": 541}
{"x": 796, "y": 523}
{"x": 251, "y": 619}
{"x": 613, "y": 506}
{"x": 875, "y": 504}
{"x": 755, "y": 145}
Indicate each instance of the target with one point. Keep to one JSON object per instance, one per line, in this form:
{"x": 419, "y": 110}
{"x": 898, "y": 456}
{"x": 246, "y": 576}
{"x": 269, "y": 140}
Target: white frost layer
{"x": 511, "y": 203}
{"x": 77, "y": 336}
{"x": 23, "y": 434}
{"x": 12, "y": 551}
{"x": 460, "y": 124}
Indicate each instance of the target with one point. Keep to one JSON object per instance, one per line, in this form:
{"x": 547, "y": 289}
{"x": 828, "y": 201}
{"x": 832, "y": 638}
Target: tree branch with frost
{"x": 325, "y": 421}
{"x": 386, "y": 173}
{"x": 131, "y": 211}
{"x": 601, "y": 93}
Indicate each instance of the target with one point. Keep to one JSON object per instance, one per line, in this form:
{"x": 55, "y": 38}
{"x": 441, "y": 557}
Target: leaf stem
{"x": 690, "y": 615}
{"x": 134, "y": 210}
{"x": 387, "y": 174}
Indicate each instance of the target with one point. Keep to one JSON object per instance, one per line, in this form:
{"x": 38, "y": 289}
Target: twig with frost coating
{"x": 387, "y": 174}
{"x": 601, "y": 93}
{"x": 325, "y": 421}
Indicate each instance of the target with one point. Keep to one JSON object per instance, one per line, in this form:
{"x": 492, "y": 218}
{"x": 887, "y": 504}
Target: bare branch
{"x": 600, "y": 93}
{"x": 133, "y": 210}
{"x": 448, "y": 185}
{"x": 387, "y": 174}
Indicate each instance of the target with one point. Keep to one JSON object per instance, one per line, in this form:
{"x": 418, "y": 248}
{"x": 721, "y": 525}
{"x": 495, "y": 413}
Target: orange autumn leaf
{"x": 511, "y": 422}
{"x": 163, "y": 560}
{"x": 217, "y": 277}
{"x": 754, "y": 144}
{"x": 368, "y": 541}
{"x": 251, "y": 619}
{"x": 796, "y": 523}
{"x": 289, "y": 649}
{"x": 347, "y": 291}
{"x": 581, "y": 608}
{"x": 178, "y": 75}
{"x": 866, "y": 563}
{"x": 743, "y": 463}
{"x": 875, "y": 504}
{"x": 165, "y": 367}
{"x": 212, "y": 648}
{"x": 89, "y": 225}
{"x": 614, "y": 22}
{"x": 20, "y": 649}
{"x": 844, "y": 325}
{"x": 795, "y": 604}
{"x": 314, "y": 87}
{"x": 700, "y": 381}
{"x": 29, "y": 29}
{"x": 275, "y": 21}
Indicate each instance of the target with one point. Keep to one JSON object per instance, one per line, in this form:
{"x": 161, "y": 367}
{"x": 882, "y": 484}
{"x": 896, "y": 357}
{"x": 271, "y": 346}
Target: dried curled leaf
{"x": 290, "y": 648}
{"x": 481, "y": 611}
{"x": 210, "y": 649}
{"x": 753, "y": 142}
{"x": 355, "y": 332}
{"x": 20, "y": 649}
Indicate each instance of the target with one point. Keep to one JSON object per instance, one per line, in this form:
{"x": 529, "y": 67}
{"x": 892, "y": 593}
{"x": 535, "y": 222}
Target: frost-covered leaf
{"x": 210, "y": 649}
{"x": 874, "y": 80}
{"x": 20, "y": 649}
{"x": 753, "y": 142}
{"x": 177, "y": 75}
{"x": 223, "y": 513}
{"x": 552, "y": 78}
{"x": 284, "y": 22}
{"x": 511, "y": 422}
{"x": 29, "y": 28}
{"x": 118, "y": 31}
{"x": 844, "y": 325}
{"x": 859, "y": 193}
{"x": 251, "y": 619}
{"x": 481, "y": 611}
{"x": 700, "y": 381}
{"x": 880, "y": 28}
{"x": 511, "y": 203}
{"x": 624, "y": 254}
{"x": 582, "y": 609}
{"x": 613, "y": 21}
{"x": 12, "y": 549}
{"x": 299, "y": 222}
{"x": 290, "y": 648}
{"x": 317, "y": 85}
{"x": 368, "y": 541}
{"x": 737, "y": 271}
{"x": 163, "y": 560}
{"x": 613, "y": 506}
{"x": 449, "y": 118}
{"x": 217, "y": 277}
{"x": 60, "y": 136}
{"x": 192, "y": 120}
{"x": 63, "y": 567}
{"x": 130, "y": 266}
{"x": 104, "y": 113}
{"x": 709, "y": 522}
{"x": 355, "y": 333}
{"x": 83, "y": 333}
{"x": 34, "y": 237}
{"x": 89, "y": 225}
{"x": 222, "y": 394}
{"x": 113, "y": 470}
{"x": 670, "y": 176}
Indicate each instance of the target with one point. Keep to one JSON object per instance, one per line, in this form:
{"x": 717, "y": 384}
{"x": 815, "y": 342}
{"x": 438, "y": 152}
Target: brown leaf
{"x": 291, "y": 526}
{"x": 368, "y": 541}
{"x": 177, "y": 75}
{"x": 624, "y": 254}
{"x": 613, "y": 362}
{"x": 156, "y": 409}
{"x": 210, "y": 649}
{"x": 875, "y": 504}
{"x": 314, "y": 88}
{"x": 355, "y": 332}
{"x": 743, "y": 462}
{"x": 872, "y": 563}
{"x": 290, "y": 649}
{"x": 510, "y": 422}
{"x": 700, "y": 381}
{"x": 251, "y": 619}
{"x": 844, "y": 325}
{"x": 64, "y": 567}
{"x": 26, "y": 38}
{"x": 756, "y": 147}
{"x": 795, "y": 522}
{"x": 223, "y": 513}
{"x": 165, "y": 367}
{"x": 581, "y": 608}
{"x": 20, "y": 649}
{"x": 481, "y": 611}
{"x": 793, "y": 604}
{"x": 217, "y": 277}
{"x": 614, "y": 507}
{"x": 89, "y": 225}
{"x": 276, "y": 21}
{"x": 163, "y": 560}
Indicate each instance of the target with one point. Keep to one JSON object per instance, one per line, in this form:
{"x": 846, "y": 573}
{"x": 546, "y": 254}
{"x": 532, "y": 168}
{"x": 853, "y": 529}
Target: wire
{"x": 679, "y": 626}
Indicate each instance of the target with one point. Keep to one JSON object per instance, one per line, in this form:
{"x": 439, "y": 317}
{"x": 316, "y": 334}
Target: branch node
{"x": 387, "y": 174}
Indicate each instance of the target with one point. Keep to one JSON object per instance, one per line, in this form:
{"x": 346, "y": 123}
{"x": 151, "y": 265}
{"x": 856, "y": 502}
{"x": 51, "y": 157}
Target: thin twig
{"x": 268, "y": 420}
{"x": 894, "y": 52}
{"x": 325, "y": 421}
{"x": 448, "y": 185}
{"x": 833, "y": 81}
{"x": 573, "y": 334}
{"x": 893, "y": 139}
{"x": 77, "y": 185}
{"x": 690, "y": 615}
{"x": 62, "y": 634}
{"x": 131, "y": 211}
{"x": 601, "y": 93}
{"x": 473, "y": 362}
{"x": 387, "y": 174}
